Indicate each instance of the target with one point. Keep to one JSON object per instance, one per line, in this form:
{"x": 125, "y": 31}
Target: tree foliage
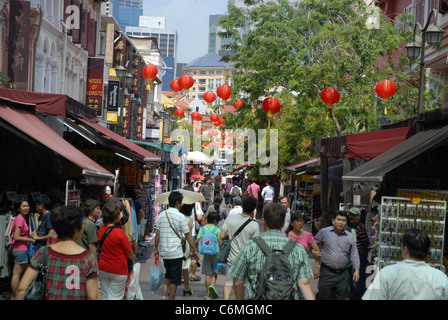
{"x": 295, "y": 49}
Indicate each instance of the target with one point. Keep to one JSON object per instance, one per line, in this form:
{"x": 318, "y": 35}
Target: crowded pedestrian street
{"x": 224, "y": 152}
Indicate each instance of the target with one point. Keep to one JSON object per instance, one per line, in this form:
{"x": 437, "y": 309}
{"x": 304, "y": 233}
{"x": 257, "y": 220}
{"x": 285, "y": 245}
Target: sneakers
{"x": 213, "y": 292}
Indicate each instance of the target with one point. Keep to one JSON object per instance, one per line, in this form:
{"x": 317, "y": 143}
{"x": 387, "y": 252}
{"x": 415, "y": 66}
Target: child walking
{"x": 209, "y": 242}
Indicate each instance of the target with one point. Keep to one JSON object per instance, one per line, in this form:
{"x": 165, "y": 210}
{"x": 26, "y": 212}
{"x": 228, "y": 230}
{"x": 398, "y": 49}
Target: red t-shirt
{"x": 113, "y": 252}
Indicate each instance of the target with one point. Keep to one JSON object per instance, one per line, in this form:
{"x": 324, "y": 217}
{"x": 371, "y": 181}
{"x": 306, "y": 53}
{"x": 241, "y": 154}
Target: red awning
{"x": 147, "y": 155}
{"x": 29, "y": 124}
{"x": 45, "y": 103}
{"x": 369, "y": 145}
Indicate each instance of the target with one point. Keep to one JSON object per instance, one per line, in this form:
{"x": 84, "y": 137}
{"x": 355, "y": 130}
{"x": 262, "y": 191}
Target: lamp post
{"x": 432, "y": 36}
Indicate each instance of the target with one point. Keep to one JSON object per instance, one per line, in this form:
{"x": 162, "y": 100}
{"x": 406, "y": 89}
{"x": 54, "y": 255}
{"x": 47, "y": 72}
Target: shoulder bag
{"x": 37, "y": 288}
{"x": 224, "y": 249}
{"x": 183, "y": 241}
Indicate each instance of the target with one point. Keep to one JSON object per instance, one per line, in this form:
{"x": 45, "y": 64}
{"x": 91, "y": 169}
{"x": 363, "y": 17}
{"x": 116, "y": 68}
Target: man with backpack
{"x": 271, "y": 265}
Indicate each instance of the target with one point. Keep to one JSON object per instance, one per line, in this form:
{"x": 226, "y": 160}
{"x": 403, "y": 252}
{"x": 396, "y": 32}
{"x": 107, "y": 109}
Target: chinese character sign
{"x": 94, "y": 91}
{"x": 127, "y": 115}
{"x": 19, "y": 43}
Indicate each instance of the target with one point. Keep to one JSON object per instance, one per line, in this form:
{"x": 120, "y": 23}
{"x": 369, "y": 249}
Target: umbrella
{"x": 198, "y": 157}
{"x": 195, "y": 176}
{"x": 190, "y": 197}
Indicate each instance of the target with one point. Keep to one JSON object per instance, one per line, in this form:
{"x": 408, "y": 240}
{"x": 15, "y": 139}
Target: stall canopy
{"x": 143, "y": 154}
{"x": 366, "y": 145}
{"x": 370, "y": 175}
{"x": 28, "y": 123}
{"x": 302, "y": 165}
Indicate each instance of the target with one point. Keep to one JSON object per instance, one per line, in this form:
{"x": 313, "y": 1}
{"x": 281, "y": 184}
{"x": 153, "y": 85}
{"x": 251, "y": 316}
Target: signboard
{"x": 127, "y": 115}
{"x": 94, "y": 93}
{"x": 112, "y": 118}
{"x": 19, "y": 43}
{"x": 113, "y": 92}
{"x": 109, "y": 54}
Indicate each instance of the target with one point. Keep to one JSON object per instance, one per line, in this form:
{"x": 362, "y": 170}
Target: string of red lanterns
{"x": 149, "y": 73}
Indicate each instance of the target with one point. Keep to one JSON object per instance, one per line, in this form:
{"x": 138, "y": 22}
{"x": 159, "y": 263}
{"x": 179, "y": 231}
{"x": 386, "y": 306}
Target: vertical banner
{"x": 94, "y": 93}
{"x": 120, "y": 52}
{"x": 140, "y": 122}
{"x": 110, "y": 33}
{"x": 135, "y": 75}
{"x": 113, "y": 95}
{"x": 127, "y": 115}
{"x": 19, "y": 43}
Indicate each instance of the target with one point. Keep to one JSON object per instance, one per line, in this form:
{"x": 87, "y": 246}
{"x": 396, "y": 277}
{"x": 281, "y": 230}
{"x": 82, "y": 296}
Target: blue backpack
{"x": 208, "y": 246}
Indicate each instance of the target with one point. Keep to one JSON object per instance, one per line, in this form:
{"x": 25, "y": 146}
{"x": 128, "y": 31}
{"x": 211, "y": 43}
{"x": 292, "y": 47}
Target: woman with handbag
{"x": 20, "y": 248}
{"x": 115, "y": 252}
{"x": 80, "y": 282}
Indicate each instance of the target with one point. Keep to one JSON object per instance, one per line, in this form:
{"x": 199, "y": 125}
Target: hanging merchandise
{"x": 399, "y": 214}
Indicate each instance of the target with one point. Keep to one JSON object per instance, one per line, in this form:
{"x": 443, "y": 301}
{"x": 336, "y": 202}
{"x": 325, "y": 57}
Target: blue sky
{"x": 190, "y": 19}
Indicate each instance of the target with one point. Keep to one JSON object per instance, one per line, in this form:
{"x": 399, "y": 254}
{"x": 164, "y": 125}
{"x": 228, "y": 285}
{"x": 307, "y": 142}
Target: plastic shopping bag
{"x": 157, "y": 275}
{"x": 133, "y": 290}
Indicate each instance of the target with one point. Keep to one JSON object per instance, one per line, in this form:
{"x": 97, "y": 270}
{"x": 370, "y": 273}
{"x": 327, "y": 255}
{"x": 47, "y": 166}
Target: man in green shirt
{"x": 251, "y": 258}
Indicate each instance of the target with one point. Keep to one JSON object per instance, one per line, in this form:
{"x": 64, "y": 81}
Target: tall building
{"x": 127, "y": 12}
{"x": 167, "y": 39}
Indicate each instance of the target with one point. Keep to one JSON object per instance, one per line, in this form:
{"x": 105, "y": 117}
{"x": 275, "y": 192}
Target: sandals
{"x": 188, "y": 292}
{"x": 195, "y": 278}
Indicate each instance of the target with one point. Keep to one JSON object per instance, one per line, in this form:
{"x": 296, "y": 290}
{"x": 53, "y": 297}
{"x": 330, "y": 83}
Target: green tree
{"x": 295, "y": 49}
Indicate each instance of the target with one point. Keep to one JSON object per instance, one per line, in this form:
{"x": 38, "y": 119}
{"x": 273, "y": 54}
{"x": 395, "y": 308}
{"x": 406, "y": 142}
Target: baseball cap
{"x": 355, "y": 211}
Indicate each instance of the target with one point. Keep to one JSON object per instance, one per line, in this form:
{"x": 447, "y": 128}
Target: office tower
{"x": 127, "y": 12}
{"x": 167, "y": 40}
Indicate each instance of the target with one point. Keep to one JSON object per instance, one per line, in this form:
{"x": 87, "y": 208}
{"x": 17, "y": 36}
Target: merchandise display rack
{"x": 399, "y": 214}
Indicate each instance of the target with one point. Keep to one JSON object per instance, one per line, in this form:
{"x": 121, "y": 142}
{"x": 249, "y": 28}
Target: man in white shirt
{"x": 171, "y": 226}
{"x": 237, "y": 209}
{"x": 412, "y": 278}
{"x": 268, "y": 193}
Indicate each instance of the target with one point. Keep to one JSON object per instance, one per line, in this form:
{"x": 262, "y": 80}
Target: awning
{"x": 371, "y": 174}
{"x": 245, "y": 164}
{"x": 365, "y": 145}
{"x": 145, "y": 155}
{"x": 45, "y": 103}
{"x": 29, "y": 124}
{"x": 302, "y": 165}
{"x": 369, "y": 145}
{"x": 166, "y": 147}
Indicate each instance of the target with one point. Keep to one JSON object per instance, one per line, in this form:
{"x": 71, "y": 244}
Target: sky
{"x": 190, "y": 19}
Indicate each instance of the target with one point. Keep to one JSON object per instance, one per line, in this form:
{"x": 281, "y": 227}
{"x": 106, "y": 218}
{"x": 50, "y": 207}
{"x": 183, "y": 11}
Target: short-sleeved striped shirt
{"x": 67, "y": 274}
{"x": 169, "y": 244}
{"x": 251, "y": 259}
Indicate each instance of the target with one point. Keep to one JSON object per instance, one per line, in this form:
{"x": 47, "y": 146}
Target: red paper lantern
{"x": 214, "y": 117}
{"x": 271, "y": 105}
{"x": 209, "y": 97}
{"x": 179, "y": 113}
{"x": 224, "y": 91}
{"x": 386, "y": 89}
{"x": 150, "y": 71}
{"x": 237, "y": 103}
{"x": 198, "y": 130}
{"x": 221, "y": 120}
{"x": 216, "y": 123}
{"x": 174, "y": 85}
{"x": 185, "y": 82}
{"x": 330, "y": 96}
{"x": 195, "y": 115}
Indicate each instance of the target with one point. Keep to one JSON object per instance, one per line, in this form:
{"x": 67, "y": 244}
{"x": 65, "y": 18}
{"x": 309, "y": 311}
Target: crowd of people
{"x": 89, "y": 238}
{"x": 92, "y": 240}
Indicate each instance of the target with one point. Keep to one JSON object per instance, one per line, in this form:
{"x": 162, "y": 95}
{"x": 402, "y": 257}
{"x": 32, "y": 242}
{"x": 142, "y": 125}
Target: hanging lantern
{"x": 174, "y": 85}
{"x": 237, "y": 103}
{"x": 216, "y": 123}
{"x": 198, "y": 130}
{"x": 150, "y": 71}
{"x": 185, "y": 82}
{"x": 179, "y": 113}
{"x": 221, "y": 120}
{"x": 224, "y": 92}
{"x": 209, "y": 97}
{"x": 214, "y": 117}
{"x": 270, "y": 106}
{"x": 386, "y": 89}
{"x": 329, "y": 96}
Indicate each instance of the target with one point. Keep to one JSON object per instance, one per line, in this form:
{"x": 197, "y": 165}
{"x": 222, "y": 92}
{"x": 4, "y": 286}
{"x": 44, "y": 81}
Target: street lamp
{"x": 433, "y": 37}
